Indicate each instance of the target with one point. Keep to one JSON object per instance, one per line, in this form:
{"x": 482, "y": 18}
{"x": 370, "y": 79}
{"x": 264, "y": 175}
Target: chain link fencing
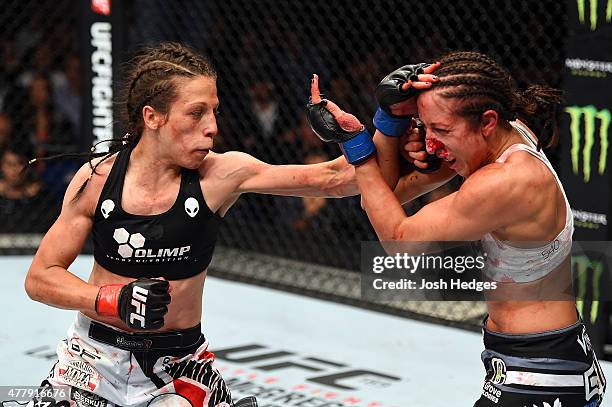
{"x": 265, "y": 52}
{"x": 39, "y": 110}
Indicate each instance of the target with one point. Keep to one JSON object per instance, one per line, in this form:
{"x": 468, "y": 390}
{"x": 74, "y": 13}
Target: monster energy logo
{"x": 581, "y": 265}
{"x": 593, "y": 12}
{"x": 590, "y": 115}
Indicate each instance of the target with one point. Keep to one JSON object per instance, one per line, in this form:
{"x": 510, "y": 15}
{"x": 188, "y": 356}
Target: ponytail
{"x": 117, "y": 144}
{"x": 538, "y": 106}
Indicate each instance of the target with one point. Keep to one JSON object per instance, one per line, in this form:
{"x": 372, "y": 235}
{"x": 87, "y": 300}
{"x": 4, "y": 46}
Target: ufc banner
{"x": 103, "y": 31}
{"x": 585, "y": 131}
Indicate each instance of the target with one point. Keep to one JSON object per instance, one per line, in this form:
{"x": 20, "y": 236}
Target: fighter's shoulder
{"x": 95, "y": 181}
{"x": 500, "y": 184}
{"x": 102, "y": 166}
{"x": 229, "y": 164}
{"x": 529, "y": 168}
{"x": 229, "y": 158}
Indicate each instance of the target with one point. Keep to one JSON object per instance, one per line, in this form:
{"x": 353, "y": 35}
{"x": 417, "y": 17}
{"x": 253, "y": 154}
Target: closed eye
{"x": 196, "y": 113}
{"x": 439, "y": 130}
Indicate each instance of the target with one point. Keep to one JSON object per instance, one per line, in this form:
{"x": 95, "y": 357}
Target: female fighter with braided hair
{"x": 154, "y": 204}
{"x": 537, "y": 352}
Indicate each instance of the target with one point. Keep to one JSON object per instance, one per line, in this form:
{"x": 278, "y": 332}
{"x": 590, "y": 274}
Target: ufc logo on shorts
{"x": 139, "y": 301}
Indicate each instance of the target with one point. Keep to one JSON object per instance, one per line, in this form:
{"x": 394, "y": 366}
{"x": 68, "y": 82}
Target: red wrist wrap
{"x": 107, "y": 301}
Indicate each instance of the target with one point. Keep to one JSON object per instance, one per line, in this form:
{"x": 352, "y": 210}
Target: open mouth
{"x": 444, "y": 155}
{"x": 452, "y": 164}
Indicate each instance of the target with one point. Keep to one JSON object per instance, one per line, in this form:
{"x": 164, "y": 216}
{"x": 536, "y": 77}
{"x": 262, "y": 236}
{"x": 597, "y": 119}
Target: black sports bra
{"x": 176, "y": 244}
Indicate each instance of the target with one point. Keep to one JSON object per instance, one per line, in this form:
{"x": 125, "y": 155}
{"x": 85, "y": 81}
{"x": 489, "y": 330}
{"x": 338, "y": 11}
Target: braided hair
{"x": 150, "y": 80}
{"x": 479, "y": 84}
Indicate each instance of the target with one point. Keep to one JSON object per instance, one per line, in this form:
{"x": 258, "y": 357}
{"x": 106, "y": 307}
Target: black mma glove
{"x": 389, "y": 92}
{"x": 330, "y": 123}
{"x": 141, "y": 304}
{"x": 433, "y": 162}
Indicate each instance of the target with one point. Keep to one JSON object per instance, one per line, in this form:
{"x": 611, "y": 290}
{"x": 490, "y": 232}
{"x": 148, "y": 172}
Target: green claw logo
{"x": 581, "y": 265}
{"x": 590, "y": 115}
{"x": 593, "y": 12}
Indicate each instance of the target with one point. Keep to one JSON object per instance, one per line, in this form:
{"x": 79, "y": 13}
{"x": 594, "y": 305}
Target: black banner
{"x": 585, "y": 131}
{"x": 103, "y": 27}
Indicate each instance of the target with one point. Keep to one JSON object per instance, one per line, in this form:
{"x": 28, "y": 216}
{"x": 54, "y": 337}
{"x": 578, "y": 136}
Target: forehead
{"x": 198, "y": 89}
{"x": 433, "y": 106}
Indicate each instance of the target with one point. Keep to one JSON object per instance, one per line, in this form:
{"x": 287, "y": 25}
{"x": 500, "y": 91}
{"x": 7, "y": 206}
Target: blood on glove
{"x": 332, "y": 124}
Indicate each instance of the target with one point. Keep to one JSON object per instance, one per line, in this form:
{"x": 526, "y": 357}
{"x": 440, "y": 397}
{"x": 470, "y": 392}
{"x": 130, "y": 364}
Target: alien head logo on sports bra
{"x": 499, "y": 371}
{"x": 106, "y": 208}
{"x": 192, "y": 207}
{"x": 131, "y": 248}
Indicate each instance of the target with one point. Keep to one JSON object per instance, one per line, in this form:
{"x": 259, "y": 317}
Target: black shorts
{"x": 549, "y": 369}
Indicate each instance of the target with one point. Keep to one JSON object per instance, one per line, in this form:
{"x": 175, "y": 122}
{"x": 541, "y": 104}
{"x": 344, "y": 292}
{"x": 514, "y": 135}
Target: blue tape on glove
{"x": 389, "y": 125}
{"x": 358, "y": 149}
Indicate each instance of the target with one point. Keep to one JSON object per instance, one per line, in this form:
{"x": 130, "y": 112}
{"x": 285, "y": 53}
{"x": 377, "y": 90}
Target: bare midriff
{"x": 184, "y": 310}
{"x": 531, "y": 307}
{"x": 526, "y": 317}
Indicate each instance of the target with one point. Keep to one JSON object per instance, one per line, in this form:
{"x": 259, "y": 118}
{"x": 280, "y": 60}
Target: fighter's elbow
{"x": 31, "y": 286}
{"x": 34, "y": 283}
{"x": 399, "y": 232}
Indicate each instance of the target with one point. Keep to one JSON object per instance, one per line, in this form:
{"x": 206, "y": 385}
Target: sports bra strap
{"x": 514, "y": 148}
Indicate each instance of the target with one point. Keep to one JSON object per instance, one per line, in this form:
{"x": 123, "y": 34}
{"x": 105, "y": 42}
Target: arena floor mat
{"x": 286, "y": 349}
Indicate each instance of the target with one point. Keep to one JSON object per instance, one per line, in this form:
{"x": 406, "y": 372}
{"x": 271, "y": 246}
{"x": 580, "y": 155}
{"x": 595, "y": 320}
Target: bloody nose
{"x": 433, "y": 145}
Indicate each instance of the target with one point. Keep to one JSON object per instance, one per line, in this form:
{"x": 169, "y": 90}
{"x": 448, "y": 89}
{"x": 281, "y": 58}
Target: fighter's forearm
{"x": 415, "y": 184}
{"x": 338, "y": 179}
{"x": 380, "y": 203}
{"x": 387, "y": 156}
{"x": 57, "y": 287}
